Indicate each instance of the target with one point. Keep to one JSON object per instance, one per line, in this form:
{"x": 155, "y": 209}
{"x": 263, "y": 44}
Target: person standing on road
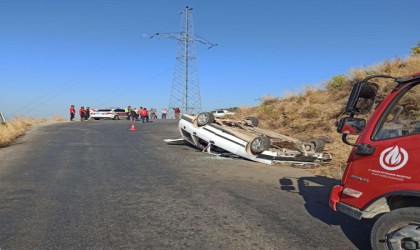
{"x": 127, "y": 112}
{"x": 138, "y": 114}
{"x": 164, "y": 112}
{"x": 72, "y": 112}
{"x": 133, "y": 115}
{"x": 82, "y": 113}
{"x": 151, "y": 114}
{"x": 155, "y": 114}
{"x": 147, "y": 114}
{"x": 87, "y": 113}
{"x": 177, "y": 112}
{"x": 143, "y": 114}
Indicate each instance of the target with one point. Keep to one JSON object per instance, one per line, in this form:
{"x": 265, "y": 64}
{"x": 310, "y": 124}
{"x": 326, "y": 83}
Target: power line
{"x": 185, "y": 92}
{"x": 49, "y": 95}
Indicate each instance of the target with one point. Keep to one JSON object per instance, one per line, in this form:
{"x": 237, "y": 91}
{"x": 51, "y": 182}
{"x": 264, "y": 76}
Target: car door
{"x": 394, "y": 165}
{"x": 120, "y": 112}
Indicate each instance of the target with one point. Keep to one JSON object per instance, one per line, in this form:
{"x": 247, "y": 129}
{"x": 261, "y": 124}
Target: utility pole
{"x": 185, "y": 92}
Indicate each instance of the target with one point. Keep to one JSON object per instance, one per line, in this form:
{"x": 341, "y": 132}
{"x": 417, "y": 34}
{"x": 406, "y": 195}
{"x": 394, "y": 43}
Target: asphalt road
{"x": 98, "y": 185}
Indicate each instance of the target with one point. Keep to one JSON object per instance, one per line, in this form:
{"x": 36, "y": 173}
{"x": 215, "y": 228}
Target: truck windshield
{"x": 402, "y": 118}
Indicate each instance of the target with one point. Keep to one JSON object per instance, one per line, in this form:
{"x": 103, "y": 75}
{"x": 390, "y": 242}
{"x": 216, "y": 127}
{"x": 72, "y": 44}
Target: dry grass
{"x": 17, "y": 127}
{"x": 315, "y": 112}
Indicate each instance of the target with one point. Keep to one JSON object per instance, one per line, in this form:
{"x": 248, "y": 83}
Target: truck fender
{"x": 391, "y": 201}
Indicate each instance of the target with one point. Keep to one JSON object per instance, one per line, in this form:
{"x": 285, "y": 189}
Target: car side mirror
{"x": 362, "y": 98}
{"x": 351, "y": 125}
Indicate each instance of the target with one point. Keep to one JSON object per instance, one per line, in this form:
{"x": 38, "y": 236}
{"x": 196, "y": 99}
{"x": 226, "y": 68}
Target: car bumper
{"x": 338, "y": 206}
{"x": 335, "y": 196}
{"x": 101, "y": 117}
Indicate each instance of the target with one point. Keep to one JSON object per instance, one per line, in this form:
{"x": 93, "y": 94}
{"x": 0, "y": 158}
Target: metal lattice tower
{"x": 185, "y": 92}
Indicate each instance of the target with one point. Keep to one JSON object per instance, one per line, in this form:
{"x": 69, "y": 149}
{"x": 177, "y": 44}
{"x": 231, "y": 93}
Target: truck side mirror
{"x": 351, "y": 125}
{"x": 362, "y": 98}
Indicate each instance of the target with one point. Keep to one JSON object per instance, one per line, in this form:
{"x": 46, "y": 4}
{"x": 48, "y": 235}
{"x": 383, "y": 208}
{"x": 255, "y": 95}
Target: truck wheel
{"x": 398, "y": 229}
{"x": 204, "y": 118}
{"x": 260, "y": 144}
{"x": 318, "y": 145}
{"x": 252, "y": 121}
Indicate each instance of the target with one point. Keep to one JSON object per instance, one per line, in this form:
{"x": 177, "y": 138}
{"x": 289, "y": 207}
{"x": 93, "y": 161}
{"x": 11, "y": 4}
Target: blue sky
{"x": 54, "y": 53}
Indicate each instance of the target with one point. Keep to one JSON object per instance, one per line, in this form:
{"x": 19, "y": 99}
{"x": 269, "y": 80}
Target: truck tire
{"x": 252, "y": 121}
{"x": 259, "y": 144}
{"x": 398, "y": 229}
{"x": 204, "y": 118}
{"x": 318, "y": 145}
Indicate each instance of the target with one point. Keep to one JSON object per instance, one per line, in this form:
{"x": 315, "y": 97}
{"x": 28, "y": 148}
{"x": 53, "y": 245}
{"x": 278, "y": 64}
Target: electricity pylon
{"x": 185, "y": 92}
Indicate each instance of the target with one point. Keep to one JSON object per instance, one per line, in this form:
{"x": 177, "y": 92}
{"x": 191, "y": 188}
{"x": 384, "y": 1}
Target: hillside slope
{"x": 314, "y": 112}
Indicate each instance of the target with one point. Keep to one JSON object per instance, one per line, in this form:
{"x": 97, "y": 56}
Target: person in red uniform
{"x": 177, "y": 112}
{"x": 82, "y": 113}
{"x": 144, "y": 115}
{"x": 72, "y": 112}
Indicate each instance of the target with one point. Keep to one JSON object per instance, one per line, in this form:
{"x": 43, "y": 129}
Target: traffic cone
{"x": 133, "y": 127}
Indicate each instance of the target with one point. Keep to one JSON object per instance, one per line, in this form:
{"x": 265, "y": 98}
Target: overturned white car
{"x": 245, "y": 139}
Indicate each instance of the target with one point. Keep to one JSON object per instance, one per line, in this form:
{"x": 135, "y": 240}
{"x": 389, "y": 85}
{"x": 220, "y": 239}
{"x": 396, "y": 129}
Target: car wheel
{"x": 116, "y": 117}
{"x": 204, "y": 118}
{"x": 259, "y": 144}
{"x": 397, "y": 229}
{"x": 317, "y": 144}
{"x": 253, "y": 121}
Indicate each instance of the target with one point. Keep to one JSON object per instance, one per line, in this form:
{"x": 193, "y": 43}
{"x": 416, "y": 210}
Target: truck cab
{"x": 382, "y": 177}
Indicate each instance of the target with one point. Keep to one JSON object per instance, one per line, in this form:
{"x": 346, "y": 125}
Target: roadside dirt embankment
{"x": 315, "y": 111}
{"x": 17, "y": 127}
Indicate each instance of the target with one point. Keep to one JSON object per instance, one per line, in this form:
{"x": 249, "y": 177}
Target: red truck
{"x": 382, "y": 177}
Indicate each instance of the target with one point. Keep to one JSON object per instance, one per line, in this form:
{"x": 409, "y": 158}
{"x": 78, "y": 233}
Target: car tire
{"x": 116, "y": 117}
{"x": 388, "y": 231}
{"x": 259, "y": 144}
{"x": 204, "y": 118}
{"x": 318, "y": 145}
{"x": 253, "y": 121}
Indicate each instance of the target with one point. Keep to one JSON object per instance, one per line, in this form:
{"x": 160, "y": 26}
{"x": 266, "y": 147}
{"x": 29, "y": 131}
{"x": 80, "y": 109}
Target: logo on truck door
{"x": 393, "y": 158}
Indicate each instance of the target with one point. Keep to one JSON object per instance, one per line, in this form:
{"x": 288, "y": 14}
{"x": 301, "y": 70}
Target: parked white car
{"x": 221, "y": 113}
{"x": 111, "y": 113}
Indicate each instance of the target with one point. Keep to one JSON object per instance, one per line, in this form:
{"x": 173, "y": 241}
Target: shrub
{"x": 17, "y": 127}
{"x": 416, "y": 50}
{"x": 310, "y": 112}
{"x": 337, "y": 81}
{"x": 268, "y": 100}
